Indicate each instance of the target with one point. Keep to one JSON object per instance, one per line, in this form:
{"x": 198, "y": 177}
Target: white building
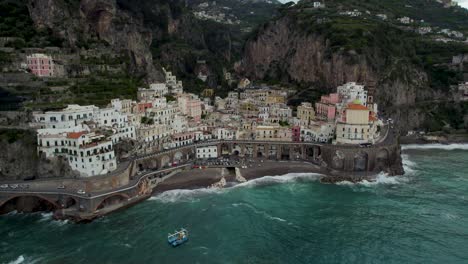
{"x": 322, "y": 132}
{"x": 160, "y": 89}
{"x": 69, "y": 117}
{"x": 156, "y": 90}
{"x": 164, "y": 115}
{"x": 382, "y": 16}
{"x": 123, "y": 106}
{"x": 208, "y": 152}
{"x": 405, "y": 20}
{"x": 463, "y": 88}
{"x": 88, "y": 153}
{"x": 171, "y": 82}
{"x": 350, "y": 92}
{"x": 225, "y": 133}
{"x": 354, "y": 13}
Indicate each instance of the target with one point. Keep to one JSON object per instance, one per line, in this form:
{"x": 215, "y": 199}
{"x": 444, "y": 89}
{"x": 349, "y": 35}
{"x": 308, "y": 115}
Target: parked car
{"x": 13, "y": 186}
{"x": 4, "y": 186}
{"x": 81, "y": 192}
{"x": 61, "y": 187}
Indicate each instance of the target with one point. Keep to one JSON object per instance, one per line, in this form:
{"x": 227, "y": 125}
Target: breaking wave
{"x": 436, "y": 146}
{"x": 380, "y": 179}
{"x": 291, "y": 177}
{"x": 409, "y": 166}
{"x": 23, "y": 260}
{"x": 182, "y": 195}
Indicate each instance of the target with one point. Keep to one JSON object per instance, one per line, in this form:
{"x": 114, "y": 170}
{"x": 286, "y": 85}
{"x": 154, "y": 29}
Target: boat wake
{"x": 436, "y": 146}
{"x": 182, "y": 195}
{"x": 261, "y": 212}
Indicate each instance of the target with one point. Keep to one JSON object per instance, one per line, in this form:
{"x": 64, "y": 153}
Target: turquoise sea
{"x": 421, "y": 217}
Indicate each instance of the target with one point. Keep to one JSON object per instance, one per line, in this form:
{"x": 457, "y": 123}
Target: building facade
{"x": 41, "y": 65}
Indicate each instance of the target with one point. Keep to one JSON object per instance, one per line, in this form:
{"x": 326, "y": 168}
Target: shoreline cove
{"x": 330, "y": 219}
{"x": 262, "y": 171}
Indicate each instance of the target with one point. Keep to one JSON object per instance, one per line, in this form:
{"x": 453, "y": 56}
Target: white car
{"x": 4, "y": 186}
{"x": 80, "y": 192}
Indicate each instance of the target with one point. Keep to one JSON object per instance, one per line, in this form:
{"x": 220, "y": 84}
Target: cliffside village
{"x": 165, "y": 117}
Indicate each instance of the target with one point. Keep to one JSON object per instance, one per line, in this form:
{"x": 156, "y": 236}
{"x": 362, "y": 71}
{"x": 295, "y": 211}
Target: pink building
{"x": 296, "y": 133}
{"x": 190, "y": 106}
{"x": 326, "y": 108}
{"x": 40, "y": 65}
{"x": 141, "y": 107}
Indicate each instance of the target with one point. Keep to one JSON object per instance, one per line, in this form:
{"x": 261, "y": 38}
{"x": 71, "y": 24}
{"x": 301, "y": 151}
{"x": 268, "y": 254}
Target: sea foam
{"x": 409, "y": 166}
{"x": 380, "y": 179}
{"x": 24, "y": 260}
{"x": 182, "y": 195}
{"x": 436, "y": 146}
{"x": 290, "y": 177}
{"x": 19, "y": 260}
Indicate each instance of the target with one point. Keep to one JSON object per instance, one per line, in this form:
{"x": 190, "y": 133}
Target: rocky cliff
{"x": 19, "y": 159}
{"x": 99, "y": 23}
{"x": 283, "y": 50}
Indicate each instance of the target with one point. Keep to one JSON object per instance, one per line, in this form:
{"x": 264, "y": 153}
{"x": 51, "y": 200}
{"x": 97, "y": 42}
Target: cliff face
{"x": 19, "y": 159}
{"x": 98, "y": 21}
{"x": 281, "y": 51}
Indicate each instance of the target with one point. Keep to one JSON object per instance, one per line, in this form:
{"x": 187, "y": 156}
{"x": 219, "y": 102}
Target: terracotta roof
{"x": 357, "y": 107}
{"x": 75, "y": 135}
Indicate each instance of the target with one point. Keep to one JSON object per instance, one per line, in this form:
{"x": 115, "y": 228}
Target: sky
{"x": 463, "y": 3}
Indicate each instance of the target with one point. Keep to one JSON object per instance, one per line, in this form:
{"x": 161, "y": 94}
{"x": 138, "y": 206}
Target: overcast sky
{"x": 463, "y": 3}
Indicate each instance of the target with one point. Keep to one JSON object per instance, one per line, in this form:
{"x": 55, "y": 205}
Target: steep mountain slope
{"x": 100, "y": 23}
{"x": 322, "y": 48}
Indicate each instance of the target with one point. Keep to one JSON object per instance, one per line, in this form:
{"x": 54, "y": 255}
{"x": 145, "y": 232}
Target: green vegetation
{"x": 5, "y": 58}
{"x": 15, "y": 22}
{"x": 170, "y": 98}
{"x": 385, "y": 43}
{"x": 106, "y": 59}
{"x": 441, "y": 115}
{"x": 283, "y": 123}
{"x": 13, "y": 135}
{"x": 99, "y": 91}
{"x": 147, "y": 120}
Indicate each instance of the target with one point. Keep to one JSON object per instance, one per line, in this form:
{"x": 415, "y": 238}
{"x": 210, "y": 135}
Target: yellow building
{"x": 208, "y": 93}
{"x": 306, "y": 114}
{"x": 273, "y": 133}
{"x": 357, "y": 125}
{"x": 148, "y": 133}
{"x": 275, "y": 99}
{"x": 248, "y": 108}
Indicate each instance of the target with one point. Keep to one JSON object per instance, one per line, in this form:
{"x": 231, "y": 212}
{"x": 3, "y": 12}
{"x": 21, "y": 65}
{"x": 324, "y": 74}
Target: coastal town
{"x": 165, "y": 117}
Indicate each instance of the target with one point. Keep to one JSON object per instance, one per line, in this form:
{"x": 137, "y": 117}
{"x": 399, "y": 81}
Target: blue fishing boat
{"x": 179, "y": 237}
